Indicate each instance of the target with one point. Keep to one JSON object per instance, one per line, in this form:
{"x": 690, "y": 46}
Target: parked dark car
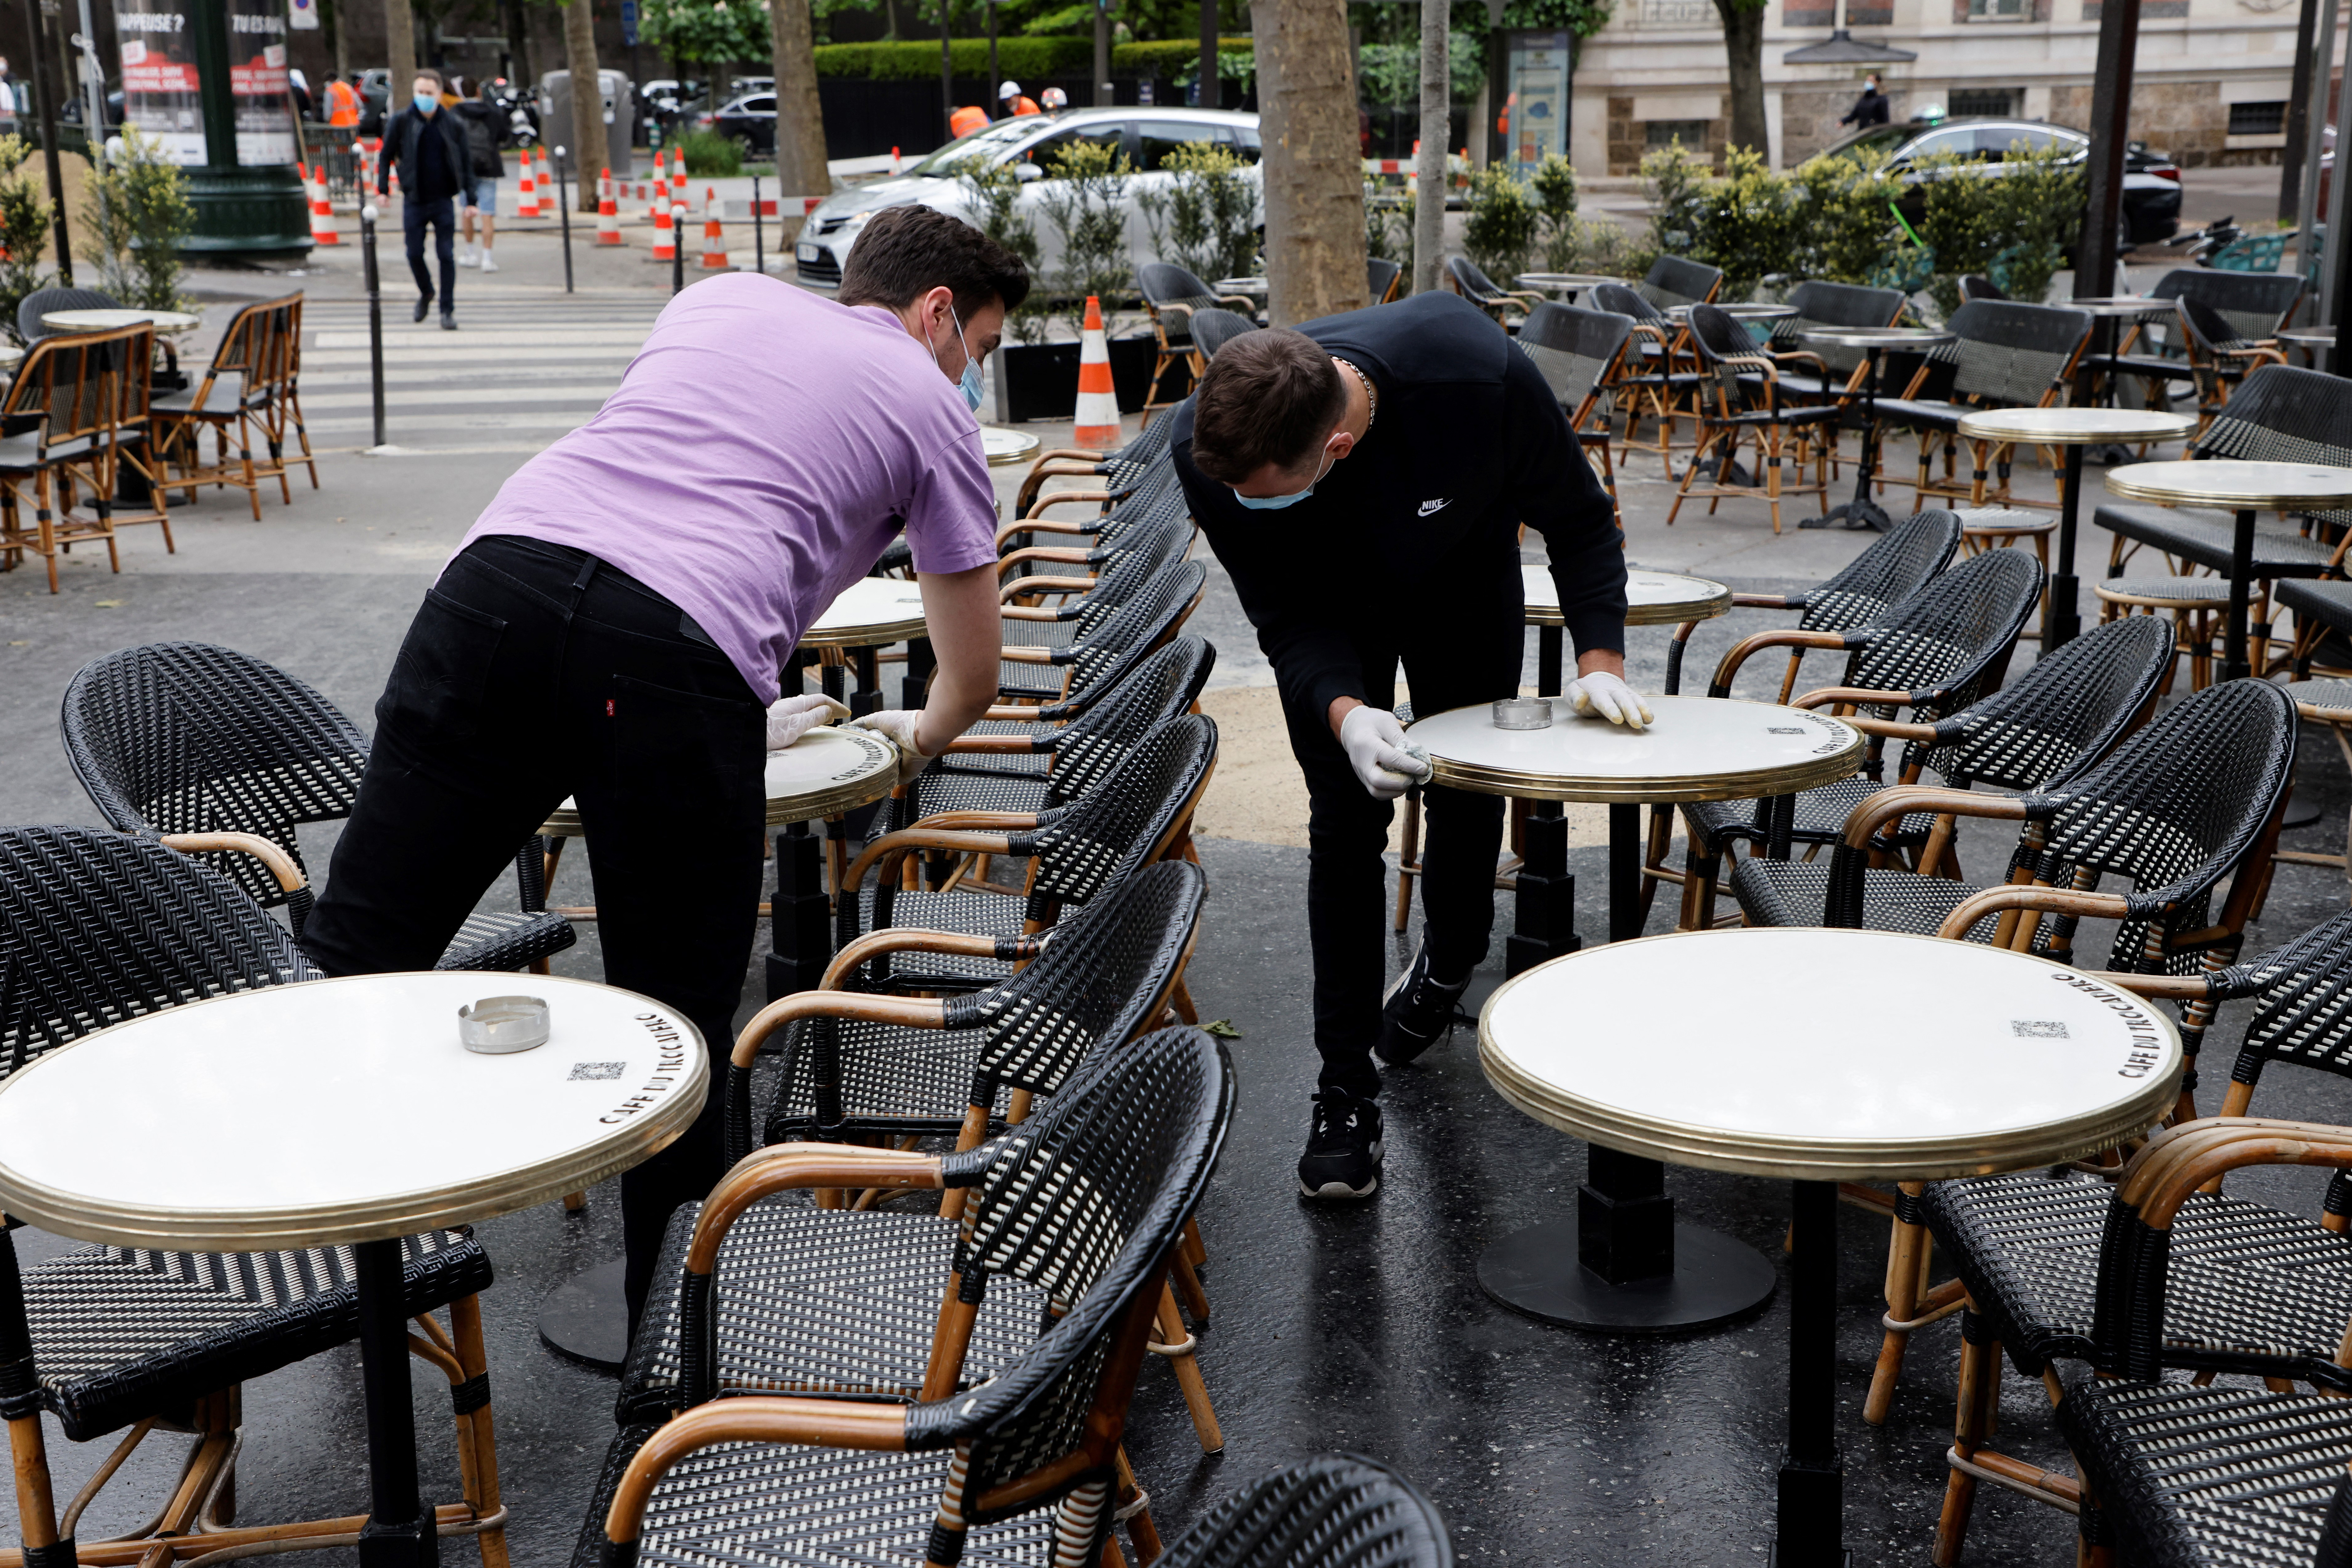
{"x": 751, "y": 119}
{"x": 2151, "y": 201}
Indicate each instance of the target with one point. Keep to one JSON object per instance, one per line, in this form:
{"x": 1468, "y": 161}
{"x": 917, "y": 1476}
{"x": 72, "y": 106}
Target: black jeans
{"x": 1474, "y": 655}
{"x": 531, "y": 672}
{"x": 442, "y": 217}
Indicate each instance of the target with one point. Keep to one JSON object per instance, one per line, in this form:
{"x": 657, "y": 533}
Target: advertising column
{"x": 206, "y": 79}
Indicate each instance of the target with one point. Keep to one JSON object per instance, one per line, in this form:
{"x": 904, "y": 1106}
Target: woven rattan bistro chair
{"x": 1578, "y": 352}
{"x": 251, "y": 386}
{"x": 1976, "y": 286}
{"x": 1830, "y": 305}
{"x": 1140, "y": 812}
{"x": 1213, "y": 329}
{"x": 1934, "y": 654}
{"x": 1655, "y": 377}
{"x": 2004, "y": 355}
{"x": 1074, "y": 1216}
{"x": 1120, "y": 567}
{"x": 1174, "y": 297}
{"x": 1671, "y": 280}
{"x": 1743, "y": 403}
{"x": 2255, "y": 305}
{"x": 1156, "y": 609}
{"x": 2219, "y": 357}
{"x": 98, "y": 927}
{"x": 1383, "y": 281}
{"x": 1116, "y": 472}
{"x": 1486, "y": 294}
{"x": 42, "y": 301}
{"x": 1156, "y": 497}
{"x": 2253, "y": 1289}
{"x": 184, "y": 737}
{"x": 1334, "y": 1511}
{"x": 76, "y": 404}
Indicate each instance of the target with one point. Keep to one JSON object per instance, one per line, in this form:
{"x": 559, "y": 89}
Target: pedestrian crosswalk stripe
{"x": 493, "y": 339}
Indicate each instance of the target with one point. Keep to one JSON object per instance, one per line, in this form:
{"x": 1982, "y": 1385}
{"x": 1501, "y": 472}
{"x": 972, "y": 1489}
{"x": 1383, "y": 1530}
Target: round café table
{"x": 113, "y": 320}
{"x": 2243, "y": 489}
{"x": 867, "y": 616}
{"x": 831, "y": 769}
{"x": 344, "y": 1112}
{"x": 1816, "y": 1056}
{"x": 1004, "y": 445}
{"x": 1652, "y": 599}
{"x": 2313, "y": 341}
{"x": 2111, "y": 311}
{"x": 1253, "y": 286}
{"x": 2073, "y": 428}
{"x": 1630, "y": 1267}
{"x": 1570, "y": 284}
{"x": 1861, "y": 512}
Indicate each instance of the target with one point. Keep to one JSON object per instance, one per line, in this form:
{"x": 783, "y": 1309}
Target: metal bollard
{"x": 758, "y": 245}
{"x": 563, "y": 209}
{"x": 677, "y": 251}
{"x": 375, "y": 312}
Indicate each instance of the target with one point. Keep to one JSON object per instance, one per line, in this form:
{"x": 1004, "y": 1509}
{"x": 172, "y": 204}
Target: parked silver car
{"x": 1029, "y": 142}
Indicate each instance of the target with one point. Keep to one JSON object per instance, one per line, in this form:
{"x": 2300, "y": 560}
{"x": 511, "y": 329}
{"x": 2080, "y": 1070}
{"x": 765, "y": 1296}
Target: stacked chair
{"x": 1117, "y": 471}
{"x": 191, "y": 738}
{"x": 1213, "y": 329}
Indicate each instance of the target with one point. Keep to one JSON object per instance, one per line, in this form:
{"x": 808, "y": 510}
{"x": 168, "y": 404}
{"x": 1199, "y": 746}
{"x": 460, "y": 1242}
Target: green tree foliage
{"x": 1512, "y": 223}
{"x": 1831, "y": 218}
{"x": 1391, "y": 72}
{"x": 1502, "y": 223}
{"x": 1082, "y": 195}
{"x": 136, "y": 205}
{"x": 713, "y": 32}
{"x": 993, "y": 203}
{"x": 708, "y": 154}
{"x": 1206, "y": 221}
{"x": 23, "y": 231}
{"x": 1853, "y": 229}
{"x": 1388, "y": 223}
{"x": 2013, "y": 227}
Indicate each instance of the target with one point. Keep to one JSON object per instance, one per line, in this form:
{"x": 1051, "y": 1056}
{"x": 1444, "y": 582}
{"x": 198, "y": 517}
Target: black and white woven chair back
{"x": 1671, "y": 280}
{"x": 1617, "y": 299}
{"x": 1143, "y": 553}
{"x": 1475, "y": 286}
{"x": 2209, "y": 329}
{"x": 2279, "y": 414}
{"x": 1159, "y": 689}
{"x": 1103, "y": 976}
{"x": 1718, "y": 338}
{"x": 2007, "y": 354}
{"x": 1085, "y": 1201}
{"x": 1976, "y": 285}
{"x": 2174, "y": 808}
{"x": 1819, "y": 305}
{"x": 1955, "y": 634}
{"x": 1898, "y": 563}
{"x": 98, "y": 927}
{"x": 1213, "y": 328}
{"x": 1133, "y": 632}
{"x": 1379, "y": 277}
{"x": 185, "y": 737}
{"x": 2303, "y": 1002}
{"x": 2255, "y": 304}
{"x": 1130, "y": 463}
{"x": 1574, "y": 349}
{"x": 2062, "y": 715}
{"x": 1175, "y": 295}
{"x": 1105, "y": 836}
{"x": 1334, "y": 1511}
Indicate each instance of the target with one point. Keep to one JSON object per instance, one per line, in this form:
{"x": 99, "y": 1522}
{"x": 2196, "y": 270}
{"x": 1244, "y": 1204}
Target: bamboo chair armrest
{"x": 1064, "y": 553}
{"x": 911, "y": 939}
{"x": 1828, "y": 695}
{"x": 891, "y": 846}
{"x": 1034, "y": 612}
{"x": 1063, "y": 498}
{"x": 1819, "y": 364}
{"x": 2179, "y": 1160}
{"x": 1890, "y": 728}
{"x": 1068, "y": 454}
{"x": 980, "y": 821}
{"x": 1899, "y": 801}
{"x": 756, "y": 1419}
{"x": 1045, "y": 525}
{"x": 1529, "y": 295}
{"x": 1762, "y": 363}
{"x": 281, "y": 865}
{"x": 788, "y": 1167}
{"x": 1024, "y": 653}
{"x": 905, "y": 1012}
{"x": 1760, "y": 601}
{"x": 1022, "y": 586}
{"x": 1779, "y": 636}
{"x": 1248, "y": 305}
{"x": 2157, "y": 987}
{"x": 2048, "y": 900}
{"x": 1013, "y": 712}
{"x": 2258, "y": 355}
{"x": 992, "y": 746}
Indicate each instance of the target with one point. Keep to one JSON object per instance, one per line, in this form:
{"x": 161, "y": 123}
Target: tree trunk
{"x": 1743, "y": 45}
{"x": 588, "y": 149}
{"x": 1436, "y": 93}
{"x": 1212, "y": 82}
{"x": 400, "y": 54}
{"x": 1103, "y": 97}
{"x": 519, "y": 46}
{"x": 800, "y": 115}
{"x": 1313, "y": 166}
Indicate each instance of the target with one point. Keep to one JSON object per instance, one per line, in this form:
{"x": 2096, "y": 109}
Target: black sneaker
{"x": 423, "y": 306}
{"x": 1417, "y": 1012}
{"x": 1343, "y": 1148}
{"x": 448, "y": 320}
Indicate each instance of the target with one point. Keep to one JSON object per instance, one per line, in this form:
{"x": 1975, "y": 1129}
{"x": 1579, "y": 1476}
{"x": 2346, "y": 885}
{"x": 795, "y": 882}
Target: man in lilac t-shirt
{"x": 616, "y": 626}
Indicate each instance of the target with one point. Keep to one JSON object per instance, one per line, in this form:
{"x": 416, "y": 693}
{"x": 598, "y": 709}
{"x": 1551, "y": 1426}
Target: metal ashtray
{"x": 495, "y": 1025}
{"x": 1523, "y": 713}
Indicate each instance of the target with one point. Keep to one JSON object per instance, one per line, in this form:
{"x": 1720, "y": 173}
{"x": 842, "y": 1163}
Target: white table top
{"x": 872, "y": 612}
{"x": 2076, "y": 427}
{"x": 1240, "y": 285}
{"x": 1874, "y": 337}
{"x": 10, "y": 354}
{"x": 2119, "y": 305}
{"x": 1699, "y": 748}
{"x": 1821, "y": 1055}
{"x": 1564, "y": 280}
{"x": 831, "y": 769}
{"x": 2219, "y": 482}
{"x": 1003, "y": 446}
{"x": 1651, "y": 598}
{"x": 1740, "y": 312}
{"x": 338, "y": 1111}
{"x": 103, "y": 320}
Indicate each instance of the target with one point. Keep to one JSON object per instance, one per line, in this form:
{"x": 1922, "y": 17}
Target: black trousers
{"x": 534, "y": 671}
{"x": 1473, "y": 656}
{"x": 441, "y": 216}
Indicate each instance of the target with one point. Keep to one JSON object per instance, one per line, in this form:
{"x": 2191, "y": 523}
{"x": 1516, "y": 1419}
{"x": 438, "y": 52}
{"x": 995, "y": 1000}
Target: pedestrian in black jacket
{"x": 1870, "y": 109}
{"x": 428, "y": 146}
{"x": 1363, "y": 480}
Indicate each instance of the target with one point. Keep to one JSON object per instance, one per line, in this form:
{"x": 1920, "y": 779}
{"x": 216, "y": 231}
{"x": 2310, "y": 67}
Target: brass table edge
{"x": 870, "y": 634}
{"x": 1658, "y": 790}
{"x": 781, "y": 812}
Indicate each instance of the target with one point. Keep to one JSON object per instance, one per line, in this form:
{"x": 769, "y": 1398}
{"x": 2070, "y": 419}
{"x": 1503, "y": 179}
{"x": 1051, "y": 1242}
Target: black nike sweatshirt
{"x": 1421, "y": 521}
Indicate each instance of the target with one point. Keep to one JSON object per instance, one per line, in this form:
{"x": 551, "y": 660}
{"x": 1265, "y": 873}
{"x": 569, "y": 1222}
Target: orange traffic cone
{"x": 527, "y": 204}
{"x": 1097, "y": 401}
{"x": 895, "y": 169}
{"x": 677, "y": 177}
{"x": 546, "y": 184}
{"x": 714, "y": 233}
{"x": 608, "y": 212}
{"x": 660, "y": 179}
{"x": 665, "y": 237}
{"x": 322, "y": 216}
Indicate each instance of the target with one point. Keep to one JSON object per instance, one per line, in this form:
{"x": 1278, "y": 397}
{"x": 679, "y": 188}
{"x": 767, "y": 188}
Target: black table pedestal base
{"x": 801, "y": 933}
{"x": 400, "y": 1531}
{"x": 1859, "y": 515}
{"x": 1812, "y": 1533}
{"x": 586, "y": 1318}
{"x": 1536, "y": 1272}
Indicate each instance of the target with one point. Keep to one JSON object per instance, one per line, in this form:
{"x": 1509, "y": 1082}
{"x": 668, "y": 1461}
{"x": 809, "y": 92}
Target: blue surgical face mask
{"x": 425, "y": 103}
{"x": 970, "y": 380}
{"x": 1275, "y": 503}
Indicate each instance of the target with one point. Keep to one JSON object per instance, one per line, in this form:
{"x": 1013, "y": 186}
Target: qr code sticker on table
{"x": 587, "y": 1071}
{"x": 2039, "y": 1030}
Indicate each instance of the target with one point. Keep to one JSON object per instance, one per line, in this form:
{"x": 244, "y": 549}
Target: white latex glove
{"x": 899, "y": 724}
{"x": 789, "y": 718}
{"x": 1603, "y": 694}
{"x": 1376, "y": 749}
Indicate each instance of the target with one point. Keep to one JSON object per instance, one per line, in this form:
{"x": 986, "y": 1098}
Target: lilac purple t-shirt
{"x": 760, "y": 452}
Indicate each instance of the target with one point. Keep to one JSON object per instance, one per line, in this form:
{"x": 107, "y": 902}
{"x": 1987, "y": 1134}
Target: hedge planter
{"x": 1040, "y": 381}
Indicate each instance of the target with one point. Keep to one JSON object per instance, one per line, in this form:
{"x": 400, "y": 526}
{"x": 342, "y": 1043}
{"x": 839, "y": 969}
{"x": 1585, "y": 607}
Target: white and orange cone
{"x": 665, "y": 237}
{"x": 527, "y": 204}
{"x": 322, "y": 216}
{"x": 714, "y": 233}
{"x": 1097, "y": 399}
{"x": 677, "y": 177}
{"x": 608, "y": 212}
